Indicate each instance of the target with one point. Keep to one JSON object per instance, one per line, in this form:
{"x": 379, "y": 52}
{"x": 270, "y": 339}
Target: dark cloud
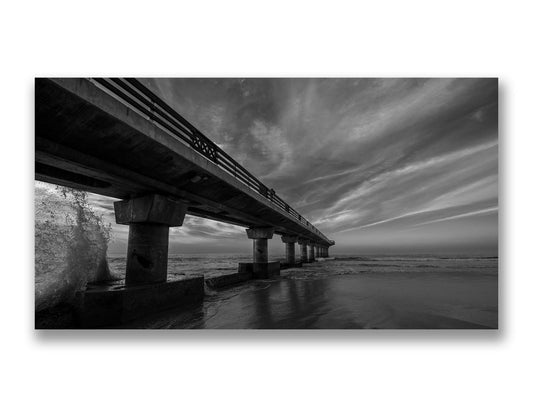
{"x": 365, "y": 159}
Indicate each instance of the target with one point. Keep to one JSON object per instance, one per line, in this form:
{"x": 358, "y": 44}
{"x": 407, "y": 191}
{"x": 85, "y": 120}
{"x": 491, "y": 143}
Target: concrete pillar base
{"x": 102, "y": 306}
{"x": 261, "y": 270}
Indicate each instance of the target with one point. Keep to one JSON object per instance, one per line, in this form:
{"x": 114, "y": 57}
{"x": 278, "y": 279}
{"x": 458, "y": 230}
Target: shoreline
{"x": 299, "y": 300}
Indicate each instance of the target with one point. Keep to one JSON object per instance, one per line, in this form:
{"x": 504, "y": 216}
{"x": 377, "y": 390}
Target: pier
{"x": 116, "y": 138}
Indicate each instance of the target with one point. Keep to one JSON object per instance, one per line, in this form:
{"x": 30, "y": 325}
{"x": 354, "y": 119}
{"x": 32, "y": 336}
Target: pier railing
{"x": 141, "y": 99}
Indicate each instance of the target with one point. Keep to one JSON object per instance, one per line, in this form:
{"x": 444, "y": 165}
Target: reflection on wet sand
{"x": 287, "y": 304}
{"x": 317, "y": 297}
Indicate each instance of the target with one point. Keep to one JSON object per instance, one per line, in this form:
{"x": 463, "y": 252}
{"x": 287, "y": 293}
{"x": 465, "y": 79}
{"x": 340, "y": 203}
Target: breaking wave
{"x": 70, "y": 245}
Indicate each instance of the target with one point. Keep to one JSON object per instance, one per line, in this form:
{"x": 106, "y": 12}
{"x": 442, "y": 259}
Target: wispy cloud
{"x": 462, "y": 215}
{"x": 358, "y": 157}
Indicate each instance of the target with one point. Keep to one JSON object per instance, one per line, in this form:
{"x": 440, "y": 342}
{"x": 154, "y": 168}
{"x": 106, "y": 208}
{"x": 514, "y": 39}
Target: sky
{"x": 378, "y": 165}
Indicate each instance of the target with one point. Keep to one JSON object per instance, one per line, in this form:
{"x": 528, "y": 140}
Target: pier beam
{"x": 326, "y": 251}
{"x": 261, "y": 267}
{"x": 312, "y": 252}
{"x": 290, "y": 256}
{"x": 149, "y": 218}
{"x": 303, "y": 250}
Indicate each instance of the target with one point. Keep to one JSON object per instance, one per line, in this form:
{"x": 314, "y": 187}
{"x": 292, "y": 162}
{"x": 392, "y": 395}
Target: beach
{"x": 348, "y": 292}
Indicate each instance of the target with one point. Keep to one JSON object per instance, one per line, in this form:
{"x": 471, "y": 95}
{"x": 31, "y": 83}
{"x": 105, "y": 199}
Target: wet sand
{"x": 407, "y": 300}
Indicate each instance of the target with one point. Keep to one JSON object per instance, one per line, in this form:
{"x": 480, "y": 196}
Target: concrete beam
{"x": 260, "y": 233}
{"x": 289, "y": 239}
{"x": 150, "y": 209}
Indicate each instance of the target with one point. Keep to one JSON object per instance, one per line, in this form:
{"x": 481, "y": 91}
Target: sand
{"x": 408, "y": 300}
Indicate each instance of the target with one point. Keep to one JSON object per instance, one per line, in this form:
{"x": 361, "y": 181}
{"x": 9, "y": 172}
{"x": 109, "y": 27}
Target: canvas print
{"x": 266, "y": 203}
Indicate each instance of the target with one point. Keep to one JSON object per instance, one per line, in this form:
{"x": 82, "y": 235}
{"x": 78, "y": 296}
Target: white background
{"x": 275, "y": 38}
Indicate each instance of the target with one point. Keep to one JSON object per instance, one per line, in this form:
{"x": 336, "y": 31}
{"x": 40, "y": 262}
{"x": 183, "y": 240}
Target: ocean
{"x": 364, "y": 291}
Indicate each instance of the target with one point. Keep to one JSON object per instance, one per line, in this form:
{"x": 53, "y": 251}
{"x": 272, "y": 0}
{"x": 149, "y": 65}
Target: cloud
{"x": 270, "y": 142}
{"x": 460, "y": 216}
{"x": 357, "y": 157}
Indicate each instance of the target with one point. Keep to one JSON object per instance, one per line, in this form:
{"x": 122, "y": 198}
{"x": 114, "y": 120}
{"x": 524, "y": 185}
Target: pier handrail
{"x": 137, "y": 96}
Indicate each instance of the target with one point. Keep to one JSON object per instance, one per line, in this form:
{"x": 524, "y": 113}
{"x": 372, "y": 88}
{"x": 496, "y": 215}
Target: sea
{"x": 341, "y": 292}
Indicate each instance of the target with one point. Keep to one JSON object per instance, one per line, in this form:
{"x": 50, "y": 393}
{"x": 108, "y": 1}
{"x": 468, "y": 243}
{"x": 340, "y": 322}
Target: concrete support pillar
{"x": 290, "y": 256}
{"x": 149, "y": 218}
{"x": 311, "y": 252}
{"x": 260, "y": 251}
{"x": 260, "y": 237}
{"x": 261, "y": 267}
{"x": 303, "y": 250}
{"x": 326, "y": 254}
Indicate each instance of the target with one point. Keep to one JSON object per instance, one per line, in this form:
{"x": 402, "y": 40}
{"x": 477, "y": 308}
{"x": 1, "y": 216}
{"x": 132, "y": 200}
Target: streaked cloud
{"x": 367, "y": 160}
{"x": 462, "y": 215}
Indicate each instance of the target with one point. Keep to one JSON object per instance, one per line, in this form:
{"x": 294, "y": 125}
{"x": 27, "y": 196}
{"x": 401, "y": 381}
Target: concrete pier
{"x": 260, "y": 237}
{"x": 146, "y": 289}
{"x": 161, "y": 167}
{"x": 289, "y": 241}
{"x": 311, "y": 252}
{"x": 303, "y": 250}
{"x": 261, "y": 266}
{"x": 149, "y": 218}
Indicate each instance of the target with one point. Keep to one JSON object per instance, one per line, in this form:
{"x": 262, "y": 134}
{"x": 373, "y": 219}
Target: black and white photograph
{"x": 266, "y": 203}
